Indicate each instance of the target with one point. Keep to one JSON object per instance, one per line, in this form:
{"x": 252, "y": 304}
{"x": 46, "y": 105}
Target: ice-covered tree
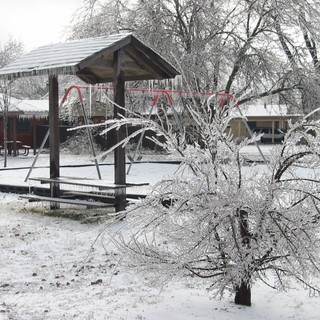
{"x": 267, "y": 46}
{"x": 9, "y": 51}
{"x": 224, "y": 221}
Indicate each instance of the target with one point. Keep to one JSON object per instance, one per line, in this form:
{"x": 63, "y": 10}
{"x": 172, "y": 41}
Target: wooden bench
{"x": 94, "y": 195}
{"x": 83, "y": 182}
{"x": 88, "y": 204}
{"x": 87, "y": 182}
{"x": 24, "y": 147}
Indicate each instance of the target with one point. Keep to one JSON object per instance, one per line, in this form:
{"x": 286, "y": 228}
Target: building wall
{"x": 23, "y": 130}
{"x": 239, "y": 130}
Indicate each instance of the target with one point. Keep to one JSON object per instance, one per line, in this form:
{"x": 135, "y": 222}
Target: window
{"x": 252, "y": 124}
{"x": 22, "y": 125}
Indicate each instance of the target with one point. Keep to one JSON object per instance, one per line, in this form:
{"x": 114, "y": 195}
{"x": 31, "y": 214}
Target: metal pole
{"x": 90, "y": 139}
{"x": 37, "y": 155}
{"x": 139, "y": 144}
{"x": 250, "y": 132}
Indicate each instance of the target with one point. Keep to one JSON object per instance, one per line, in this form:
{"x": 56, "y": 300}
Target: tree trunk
{"x": 243, "y": 292}
{"x": 5, "y": 125}
{"x": 243, "y": 295}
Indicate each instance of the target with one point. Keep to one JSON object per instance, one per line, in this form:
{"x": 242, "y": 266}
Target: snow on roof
{"x": 265, "y": 110}
{"x": 26, "y": 108}
{"x": 65, "y": 55}
{"x": 92, "y": 60}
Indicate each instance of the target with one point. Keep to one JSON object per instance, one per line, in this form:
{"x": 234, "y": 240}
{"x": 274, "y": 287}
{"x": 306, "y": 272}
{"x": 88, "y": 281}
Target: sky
{"x": 36, "y": 22}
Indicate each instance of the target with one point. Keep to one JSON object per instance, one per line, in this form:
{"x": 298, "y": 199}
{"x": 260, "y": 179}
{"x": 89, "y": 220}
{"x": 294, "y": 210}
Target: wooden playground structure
{"x": 115, "y": 58}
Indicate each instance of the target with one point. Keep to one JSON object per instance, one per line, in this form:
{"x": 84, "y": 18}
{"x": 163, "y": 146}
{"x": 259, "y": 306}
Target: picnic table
{"x": 100, "y": 199}
{"x": 14, "y": 148}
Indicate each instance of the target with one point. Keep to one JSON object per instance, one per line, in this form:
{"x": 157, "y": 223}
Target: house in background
{"x": 24, "y": 119}
{"x": 28, "y": 119}
{"x": 262, "y": 116}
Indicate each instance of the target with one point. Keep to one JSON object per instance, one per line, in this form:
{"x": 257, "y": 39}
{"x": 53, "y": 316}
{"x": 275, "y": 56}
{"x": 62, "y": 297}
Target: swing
{"x": 136, "y": 156}
{"x": 86, "y": 121}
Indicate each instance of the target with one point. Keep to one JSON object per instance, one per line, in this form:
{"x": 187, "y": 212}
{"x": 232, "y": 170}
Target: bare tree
{"x": 224, "y": 222}
{"x": 9, "y": 51}
{"x": 5, "y": 109}
{"x": 97, "y": 18}
{"x": 262, "y": 46}
{"x": 220, "y": 220}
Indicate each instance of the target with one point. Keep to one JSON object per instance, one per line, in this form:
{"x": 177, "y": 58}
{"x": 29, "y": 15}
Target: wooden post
{"x": 34, "y": 135}
{"x": 54, "y": 137}
{"x": 14, "y": 136}
{"x": 272, "y": 131}
{"x": 119, "y": 153}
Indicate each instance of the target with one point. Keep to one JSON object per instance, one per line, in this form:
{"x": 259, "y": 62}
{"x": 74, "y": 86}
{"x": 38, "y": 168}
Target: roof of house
{"x": 92, "y": 60}
{"x": 26, "y": 108}
{"x": 265, "y": 110}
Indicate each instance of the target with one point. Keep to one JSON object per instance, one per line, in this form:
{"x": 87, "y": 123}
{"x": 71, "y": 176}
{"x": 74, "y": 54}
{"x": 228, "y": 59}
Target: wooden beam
{"x": 54, "y": 137}
{"x": 87, "y": 76}
{"x": 104, "y": 65}
{"x": 109, "y": 50}
{"x": 144, "y": 62}
{"x": 119, "y": 153}
{"x": 88, "y": 204}
{"x": 14, "y": 136}
{"x": 34, "y": 135}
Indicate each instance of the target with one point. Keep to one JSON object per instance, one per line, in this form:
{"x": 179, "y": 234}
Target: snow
{"x": 264, "y": 110}
{"x": 58, "y": 268}
{"x": 27, "y": 108}
{"x": 62, "y": 57}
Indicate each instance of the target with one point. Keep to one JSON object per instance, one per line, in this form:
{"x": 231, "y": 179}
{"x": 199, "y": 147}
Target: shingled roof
{"x": 92, "y": 60}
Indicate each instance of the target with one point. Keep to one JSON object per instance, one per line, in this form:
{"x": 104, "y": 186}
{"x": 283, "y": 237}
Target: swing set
{"x": 156, "y": 95}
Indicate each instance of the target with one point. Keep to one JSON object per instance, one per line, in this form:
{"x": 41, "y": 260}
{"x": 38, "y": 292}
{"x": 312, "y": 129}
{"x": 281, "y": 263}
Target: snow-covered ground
{"x": 57, "y": 268}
